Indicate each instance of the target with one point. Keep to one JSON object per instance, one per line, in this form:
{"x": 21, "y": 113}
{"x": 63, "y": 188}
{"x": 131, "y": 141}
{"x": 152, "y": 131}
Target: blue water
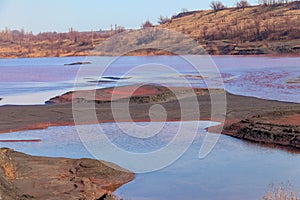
{"x": 35, "y": 80}
{"x": 233, "y": 170}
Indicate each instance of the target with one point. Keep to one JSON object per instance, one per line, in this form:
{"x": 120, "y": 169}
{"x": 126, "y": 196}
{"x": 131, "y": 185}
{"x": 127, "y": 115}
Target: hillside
{"x": 252, "y": 30}
{"x": 16, "y": 44}
{"x": 263, "y": 29}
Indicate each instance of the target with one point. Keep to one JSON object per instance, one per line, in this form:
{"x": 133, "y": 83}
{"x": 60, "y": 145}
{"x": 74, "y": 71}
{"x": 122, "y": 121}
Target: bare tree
{"x": 295, "y": 5}
{"x": 217, "y": 6}
{"x": 272, "y": 2}
{"x": 163, "y": 20}
{"x": 242, "y": 4}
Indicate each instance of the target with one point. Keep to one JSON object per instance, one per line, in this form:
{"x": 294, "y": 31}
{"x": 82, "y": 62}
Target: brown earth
{"x": 277, "y": 127}
{"x": 136, "y": 93}
{"x": 27, "y": 177}
{"x": 30, "y": 177}
{"x": 240, "y": 112}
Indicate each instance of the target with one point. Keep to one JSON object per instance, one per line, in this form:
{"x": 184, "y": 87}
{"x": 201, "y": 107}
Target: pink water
{"x": 259, "y": 76}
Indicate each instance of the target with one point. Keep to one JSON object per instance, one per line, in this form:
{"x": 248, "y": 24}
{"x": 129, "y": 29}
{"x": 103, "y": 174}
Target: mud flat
{"x": 295, "y": 80}
{"x": 135, "y": 94}
{"x": 28, "y": 177}
{"x": 246, "y": 117}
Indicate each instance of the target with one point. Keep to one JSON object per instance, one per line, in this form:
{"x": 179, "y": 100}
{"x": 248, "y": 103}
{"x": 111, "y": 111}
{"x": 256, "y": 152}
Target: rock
{"x": 79, "y": 63}
{"x": 116, "y": 78}
{"x": 30, "y": 177}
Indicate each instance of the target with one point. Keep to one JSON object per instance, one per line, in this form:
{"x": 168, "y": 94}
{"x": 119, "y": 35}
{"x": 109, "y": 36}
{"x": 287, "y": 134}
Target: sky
{"x": 86, "y": 15}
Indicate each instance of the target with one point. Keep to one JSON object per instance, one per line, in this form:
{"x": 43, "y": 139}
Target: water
{"x": 233, "y": 170}
{"x": 33, "y": 81}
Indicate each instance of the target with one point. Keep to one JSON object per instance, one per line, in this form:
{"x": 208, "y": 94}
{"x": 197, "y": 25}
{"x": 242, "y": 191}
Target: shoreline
{"x": 297, "y": 54}
{"x": 23, "y": 176}
{"x": 240, "y": 111}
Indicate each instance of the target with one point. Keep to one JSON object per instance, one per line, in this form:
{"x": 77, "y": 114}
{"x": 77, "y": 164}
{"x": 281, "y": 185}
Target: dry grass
{"x": 280, "y": 192}
{"x": 252, "y": 30}
{"x": 240, "y": 24}
{"x": 260, "y": 29}
{"x": 45, "y": 49}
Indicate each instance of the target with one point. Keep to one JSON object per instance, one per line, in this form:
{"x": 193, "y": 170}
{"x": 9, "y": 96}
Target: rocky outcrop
{"x": 281, "y": 128}
{"x": 29, "y": 177}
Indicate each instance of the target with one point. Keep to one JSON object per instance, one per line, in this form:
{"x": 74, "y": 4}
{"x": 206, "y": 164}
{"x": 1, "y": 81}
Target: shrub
{"x": 147, "y": 24}
{"x": 163, "y": 20}
{"x": 217, "y": 6}
{"x": 242, "y": 4}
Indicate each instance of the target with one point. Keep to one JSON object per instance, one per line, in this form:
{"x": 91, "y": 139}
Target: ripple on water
{"x": 233, "y": 170}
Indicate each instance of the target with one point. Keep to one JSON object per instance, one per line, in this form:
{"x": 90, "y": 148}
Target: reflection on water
{"x": 233, "y": 170}
{"x": 260, "y": 76}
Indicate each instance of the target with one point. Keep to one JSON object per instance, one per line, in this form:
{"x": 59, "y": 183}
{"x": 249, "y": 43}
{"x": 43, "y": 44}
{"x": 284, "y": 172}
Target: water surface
{"x": 233, "y": 170}
{"x": 35, "y": 80}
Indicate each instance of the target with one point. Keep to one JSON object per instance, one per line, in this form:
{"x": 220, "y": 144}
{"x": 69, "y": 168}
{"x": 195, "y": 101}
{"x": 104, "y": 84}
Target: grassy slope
{"x": 253, "y": 30}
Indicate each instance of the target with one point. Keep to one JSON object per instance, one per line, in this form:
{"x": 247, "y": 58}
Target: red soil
{"x": 109, "y": 94}
{"x": 35, "y": 140}
{"x": 293, "y": 120}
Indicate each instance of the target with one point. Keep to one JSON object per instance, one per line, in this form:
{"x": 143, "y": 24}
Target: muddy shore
{"x": 249, "y": 118}
{"x": 25, "y": 177}
{"x": 244, "y": 114}
{"x": 277, "y": 127}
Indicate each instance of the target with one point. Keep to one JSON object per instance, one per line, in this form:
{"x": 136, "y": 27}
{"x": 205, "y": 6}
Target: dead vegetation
{"x": 269, "y": 28}
{"x": 252, "y": 29}
{"x": 280, "y": 192}
{"x": 51, "y": 44}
